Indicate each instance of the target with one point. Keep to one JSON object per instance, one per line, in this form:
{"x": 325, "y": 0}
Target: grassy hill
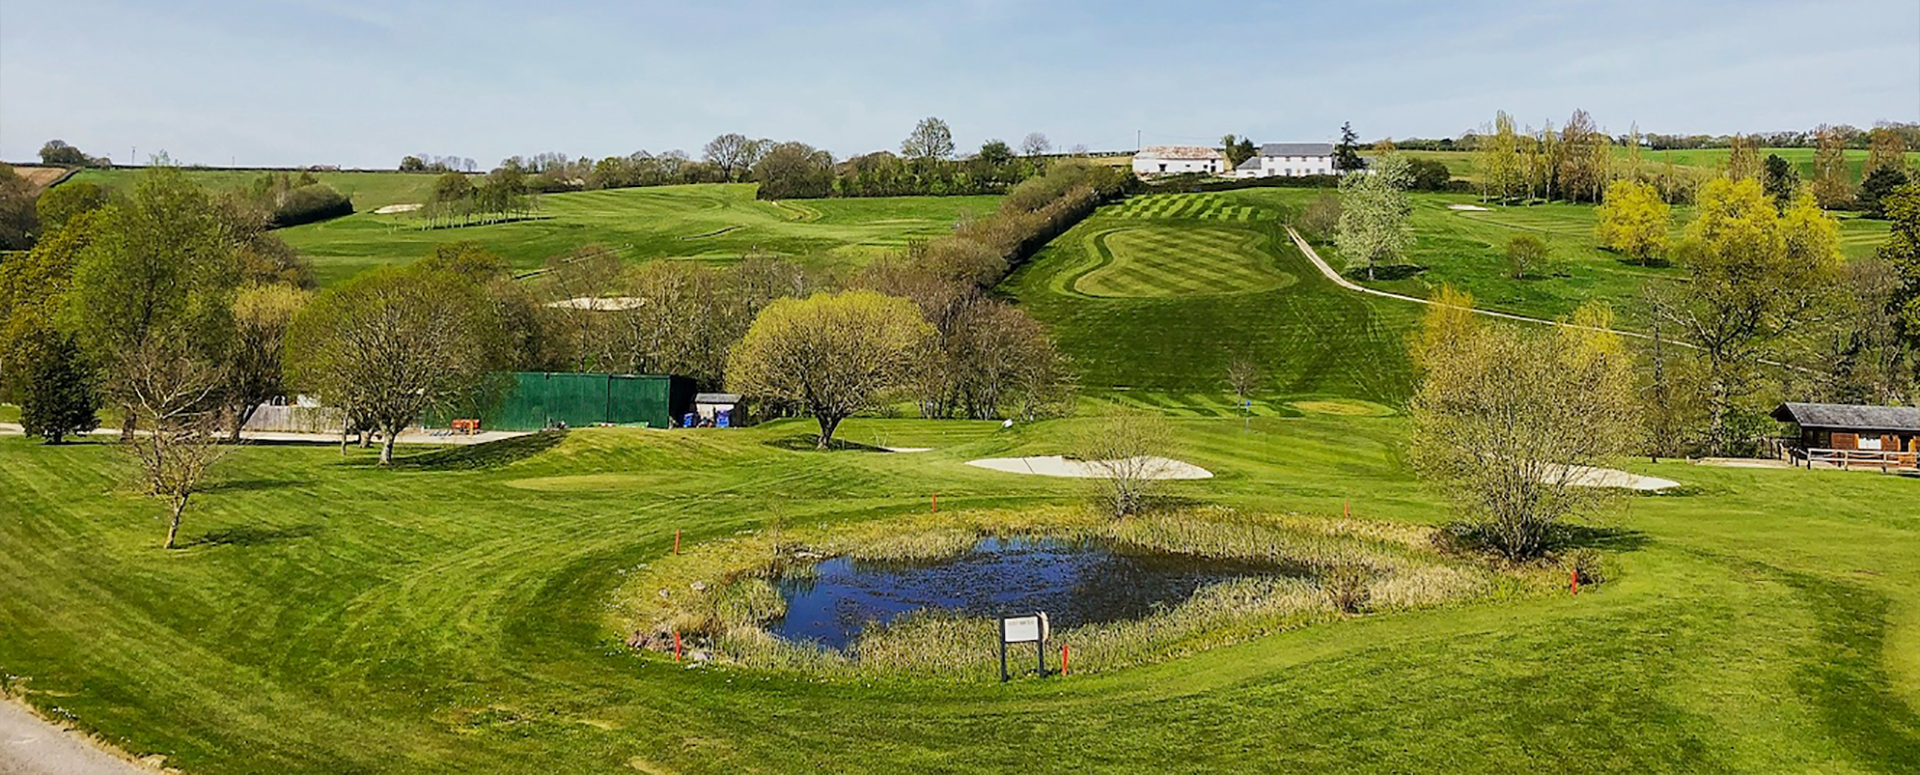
{"x": 370, "y": 190}
{"x": 327, "y": 617}
{"x": 1466, "y": 164}
{"x": 1156, "y": 296}
{"x": 713, "y": 222}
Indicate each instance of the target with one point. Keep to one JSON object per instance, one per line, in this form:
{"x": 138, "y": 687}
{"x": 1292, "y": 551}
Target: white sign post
{"x": 1032, "y": 629}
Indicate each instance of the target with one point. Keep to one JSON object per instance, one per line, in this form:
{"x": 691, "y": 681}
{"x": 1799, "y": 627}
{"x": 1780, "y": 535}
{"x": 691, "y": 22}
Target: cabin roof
{"x": 1850, "y": 417}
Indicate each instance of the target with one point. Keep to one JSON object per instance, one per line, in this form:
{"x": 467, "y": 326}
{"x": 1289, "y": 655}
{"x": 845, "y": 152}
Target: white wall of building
{"x": 1145, "y": 167}
{"x": 1295, "y": 166}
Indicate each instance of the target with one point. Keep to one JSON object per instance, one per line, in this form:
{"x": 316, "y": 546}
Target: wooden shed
{"x": 1855, "y": 433}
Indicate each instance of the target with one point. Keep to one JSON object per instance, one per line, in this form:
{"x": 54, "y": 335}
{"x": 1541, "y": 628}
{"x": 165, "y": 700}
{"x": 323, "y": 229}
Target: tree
{"x": 61, "y": 203}
{"x": 931, "y": 140}
{"x": 161, "y": 269}
{"x": 174, "y": 393}
{"x": 1374, "y": 212}
{"x": 995, "y": 153}
{"x": 57, "y": 398}
{"x": 1582, "y": 170}
{"x": 1755, "y": 274}
{"x": 413, "y": 164}
{"x": 1501, "y": 176}
{"x": 1831, "y": 186}
{"x": 254, "y": 368}
{"x": 1525, "y": 252}
{"x": 1508, "y": 423}
{"x": 794, "y": 171}
{"x": 1321, "y": 217}
{"x": 1243, "y": 377}
{"x": 1743, "y": 158}
{"x": 18, "y": 223}
{"x": 732, "y": 152}
{"x": 33, "y": 292}
{"x": 1780, "y": 180}
{"x": 1035, "y": 145}
{"x": 1126, "y": 449}
{"x": 834, "y": 354}
{"x": 57, "y": 153}
{"x": 1902, "y": 252}
{"x": 1886, "y": 149}
{"x": 1346, "y": 155}
{"x": 1237, "y": 149}
{"x": 1633, "y": 221}
{"x": 1879, "y": 183}
{"x": 392, "y": 344}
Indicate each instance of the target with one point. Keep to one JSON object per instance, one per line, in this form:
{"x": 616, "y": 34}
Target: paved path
{"x": 31, "y": 746}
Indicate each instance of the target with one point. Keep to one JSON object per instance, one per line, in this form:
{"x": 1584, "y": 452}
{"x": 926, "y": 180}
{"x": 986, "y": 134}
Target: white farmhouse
{"x": 1288, "y": 160}
{"x": 1178, "y": 159}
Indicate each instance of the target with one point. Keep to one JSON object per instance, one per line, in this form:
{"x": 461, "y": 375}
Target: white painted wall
{"x": 1295, "y": 166}
{"x": 1147, "y": 167}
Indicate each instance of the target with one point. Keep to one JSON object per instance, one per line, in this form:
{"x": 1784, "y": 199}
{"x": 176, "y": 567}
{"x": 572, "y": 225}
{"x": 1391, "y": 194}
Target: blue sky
{"x": 285, "y": 82}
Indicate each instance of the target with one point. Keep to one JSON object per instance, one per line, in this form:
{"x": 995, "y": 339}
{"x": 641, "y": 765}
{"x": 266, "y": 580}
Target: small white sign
{"x": 1022, "y": 629}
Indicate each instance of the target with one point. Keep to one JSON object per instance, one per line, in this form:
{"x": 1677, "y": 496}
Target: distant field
{"x": 370, "y": 190}
{"x": 714, "y": 222}
{"x": 1466, "y": 164}
{"x": 1154, "y": 309}
{"x": 40, "y": 177}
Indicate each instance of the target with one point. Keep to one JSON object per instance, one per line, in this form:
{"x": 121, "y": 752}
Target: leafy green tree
{"x": 57, "y": 396}
{"x": 18, "y": 223}
{"x": 1755, "y": 275}
{"x": 996, "y": 153}
{"x": 1781, "y": 180}
{"x": 1374, "y": 213}
{"x": 58, "y": 153}
{"x": 1237, "y": 150}
{"x": 1902, "y": 252}
{"x": 1502, "y": 176}
{"x": 161, "y": 270}
{"x": 1346, "y": 155}
{"x": 932, "y": 140}
{"x": 61, "y": 203}
{"x": 834, "y": 354}
{"x": 1525, "y": 253}
{"x": 254, "y": 365}
{"x": 794, "y": 171}
{"x": 1879, "y": 183}
{"x": 394, "y": 343}
{"x": 34, "y": 287}
{"x": 1832, "y": 187}
{"x": 1633, "y": 221}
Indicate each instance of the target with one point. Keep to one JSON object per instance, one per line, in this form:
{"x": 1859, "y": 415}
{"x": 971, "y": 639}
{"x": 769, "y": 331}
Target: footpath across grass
{"x": 328, "y": 617}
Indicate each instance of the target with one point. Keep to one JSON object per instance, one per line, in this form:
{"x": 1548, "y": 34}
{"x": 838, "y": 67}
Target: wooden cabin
{"x": 1848, "y": 433}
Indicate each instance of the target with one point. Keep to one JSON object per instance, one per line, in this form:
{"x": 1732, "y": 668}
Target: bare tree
{"x": 733, "y": 153}
{"x": 931, "y": 140}
{"x": 261, "y": 316}
{"x": 176, "y": 398}
{"x": 1243, "y": 377}
{"x": 1035, "y": 144}
{"x": 1127, "y": 449}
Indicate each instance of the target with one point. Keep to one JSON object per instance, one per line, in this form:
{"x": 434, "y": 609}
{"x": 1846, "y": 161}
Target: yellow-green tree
{"x": 1832, "y": 187}
{"x": 1755, "y": 275}
{"x": 1633, "y": 220}
{"x": 834, "y": 354}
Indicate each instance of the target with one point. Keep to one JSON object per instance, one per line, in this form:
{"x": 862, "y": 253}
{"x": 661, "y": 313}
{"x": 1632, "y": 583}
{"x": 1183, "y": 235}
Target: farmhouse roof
{"x": 1178, "y": 152}
{"x": 1297, "y": 149}
{"x": 1252, "y": 163}
{"x": 1850, "y": 416}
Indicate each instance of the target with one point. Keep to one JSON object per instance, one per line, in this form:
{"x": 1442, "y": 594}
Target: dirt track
{"x": 31, "y": 746}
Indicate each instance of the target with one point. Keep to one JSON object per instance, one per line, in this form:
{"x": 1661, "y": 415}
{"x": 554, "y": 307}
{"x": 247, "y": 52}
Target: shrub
{"x": 1347, "y": 587}
{"x": 310, "y": 203}
{"x": 1321, "y": 216}
{"x": 1586, "y": 565}
{"x": 1525, "y": 252}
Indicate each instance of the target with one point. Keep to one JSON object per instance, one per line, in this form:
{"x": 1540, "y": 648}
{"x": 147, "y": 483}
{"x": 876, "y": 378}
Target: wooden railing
{"x": 1885, "y": 460}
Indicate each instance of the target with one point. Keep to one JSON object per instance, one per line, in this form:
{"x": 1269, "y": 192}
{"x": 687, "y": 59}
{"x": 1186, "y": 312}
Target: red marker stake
{"x": 676, "y": 645}
{"x": 1573, "y": 579}
{"x": 1066, "y": 652}
{"x": 1348, "y": 507}
{"x": 676, "y": 541}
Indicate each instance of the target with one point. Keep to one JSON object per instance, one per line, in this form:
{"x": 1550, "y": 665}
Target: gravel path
{"x": 31, "y": 746}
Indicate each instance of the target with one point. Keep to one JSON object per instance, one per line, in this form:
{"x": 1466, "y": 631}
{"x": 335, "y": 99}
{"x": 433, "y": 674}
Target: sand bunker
{"x": 396, "y": 209}
{"x": 600, "y": 303}
{"x": 1588, "y": 476}
{"x": 1055, "y": 465}
{"x": 1468, "y": 208}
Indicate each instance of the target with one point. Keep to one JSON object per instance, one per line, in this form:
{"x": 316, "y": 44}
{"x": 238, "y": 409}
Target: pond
{"x": 1075, "y": 582}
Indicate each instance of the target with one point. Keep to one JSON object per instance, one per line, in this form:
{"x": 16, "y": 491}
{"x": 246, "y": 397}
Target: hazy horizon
{"x": 305, "y": 82}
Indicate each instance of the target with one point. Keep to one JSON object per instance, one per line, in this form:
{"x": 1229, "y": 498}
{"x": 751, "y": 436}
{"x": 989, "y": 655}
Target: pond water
{"x": 1075, "y": 582}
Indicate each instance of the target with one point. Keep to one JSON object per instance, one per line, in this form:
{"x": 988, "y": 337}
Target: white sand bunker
{"x": 396, "y": 209}
{"x": 600, "y": 303}
{"x": 1468, "y": 208}
{"x": 1588, "y": 476}
{"x": 1055, "y": 465}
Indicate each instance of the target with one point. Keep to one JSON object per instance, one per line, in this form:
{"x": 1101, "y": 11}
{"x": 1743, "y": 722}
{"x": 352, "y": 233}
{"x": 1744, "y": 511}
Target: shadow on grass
{"x": 808, "y": 442}
{"x": 251, "y": 536}
{"x": 255, "y": 485}
{"x": 493, "y": 454}
{"x": 1386, "y": 272}
{"x": 1612, "y": 539}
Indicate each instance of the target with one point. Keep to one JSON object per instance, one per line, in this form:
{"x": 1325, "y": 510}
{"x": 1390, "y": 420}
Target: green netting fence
{"x": 539, "y": 400}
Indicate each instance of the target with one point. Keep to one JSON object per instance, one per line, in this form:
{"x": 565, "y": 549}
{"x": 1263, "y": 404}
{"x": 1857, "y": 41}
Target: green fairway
{"x": 1703, "y": 161}
{"x": 711, "y": 222}
{"x": 327, "y": 617}
{"x": 1154, "y": 309}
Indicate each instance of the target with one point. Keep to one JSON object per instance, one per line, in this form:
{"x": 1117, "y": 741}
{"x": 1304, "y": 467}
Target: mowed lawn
{"x": 370, "y": 190}
{"x": 327, "y": 617}
{"x": 1155, "y": 297}
{"x": 708, "y": 222}
{"x": 1700, "y": 161}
